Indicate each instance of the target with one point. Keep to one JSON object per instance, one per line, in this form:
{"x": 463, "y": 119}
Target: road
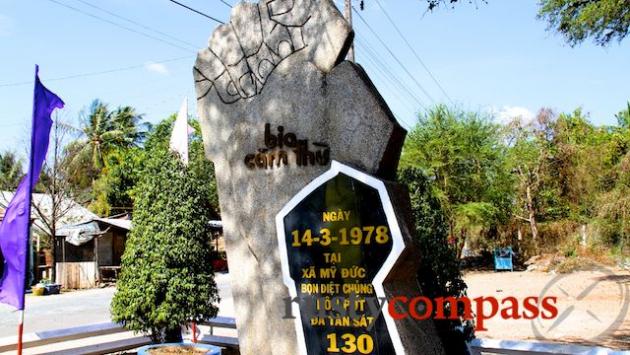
{"x": 76, "y": 308}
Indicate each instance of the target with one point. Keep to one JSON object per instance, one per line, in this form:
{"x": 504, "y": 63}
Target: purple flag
{"x": 15, "y": 228}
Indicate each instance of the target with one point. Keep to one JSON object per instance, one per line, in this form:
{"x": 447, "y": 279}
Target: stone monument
{"x": 279, "y": 107}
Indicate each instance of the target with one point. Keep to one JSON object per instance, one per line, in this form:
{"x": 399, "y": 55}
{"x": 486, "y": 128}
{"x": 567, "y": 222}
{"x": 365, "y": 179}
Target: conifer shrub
{"x": 167, "y": 279}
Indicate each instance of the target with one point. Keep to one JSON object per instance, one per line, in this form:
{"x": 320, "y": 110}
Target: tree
{"x": 563, "y": 163}
{"x": 527, "y": 158}
{"x": 623, "y": 117}
{"x": 578, "y": 20}
{"x": 61, "y": 195}
{"x": 613, "y": 210}
{"x": 463, "y": 154}
{"x": 104, "y": 131}
{"x": 167, "y": 278}
{"x": 113, "y": 189}
{"x": 159, "y": 138}
{"x": 10, "y": 171}
{"x": 439, "y": 274}
{"x": 133, "y": 131}
{"x": 120, "y": 173}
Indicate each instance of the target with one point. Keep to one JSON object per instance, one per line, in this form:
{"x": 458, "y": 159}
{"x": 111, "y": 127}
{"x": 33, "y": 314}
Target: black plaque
{"x": 341, "y": 226}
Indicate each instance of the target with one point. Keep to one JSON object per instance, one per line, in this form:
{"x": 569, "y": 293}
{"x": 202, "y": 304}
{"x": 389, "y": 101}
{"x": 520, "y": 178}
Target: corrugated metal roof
{"x": 81, "y": 233}
{"x": 120, "y": 223}
{"x": 75, "y": 212}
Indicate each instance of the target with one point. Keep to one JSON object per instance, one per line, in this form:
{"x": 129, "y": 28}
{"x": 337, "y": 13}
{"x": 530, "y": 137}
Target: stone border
{"x": 523, "y": 347}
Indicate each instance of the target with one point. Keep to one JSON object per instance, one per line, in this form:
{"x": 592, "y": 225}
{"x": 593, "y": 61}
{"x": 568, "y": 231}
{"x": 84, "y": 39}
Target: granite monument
{"x": 278, "y": 105}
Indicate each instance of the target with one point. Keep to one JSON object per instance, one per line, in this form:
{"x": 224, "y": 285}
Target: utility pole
{"x": 348, "y": 15}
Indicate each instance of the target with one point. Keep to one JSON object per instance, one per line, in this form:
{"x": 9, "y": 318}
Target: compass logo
{"x": 579, "y": 304}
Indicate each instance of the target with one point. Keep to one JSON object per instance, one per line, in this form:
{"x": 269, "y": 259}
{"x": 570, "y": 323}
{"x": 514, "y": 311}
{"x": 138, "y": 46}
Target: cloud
{"x": 507, "y": 114}
{"x": 6, "y": 26}
{"x": 156, "y": 68}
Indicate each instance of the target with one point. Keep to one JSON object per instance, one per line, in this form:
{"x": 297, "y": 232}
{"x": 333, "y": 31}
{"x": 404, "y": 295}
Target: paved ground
{"x": 58, "y": 311}
{"x": 80, "y": 308}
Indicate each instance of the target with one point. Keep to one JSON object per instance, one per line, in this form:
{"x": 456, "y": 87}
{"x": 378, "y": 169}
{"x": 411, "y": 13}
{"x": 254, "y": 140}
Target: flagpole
{"x": 28, "y": 225}
{"x": 20, "y": 331}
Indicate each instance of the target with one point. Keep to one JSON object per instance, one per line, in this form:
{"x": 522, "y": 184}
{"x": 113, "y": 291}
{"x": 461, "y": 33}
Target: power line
{"x": 137, "y": 23}
{"x": 390, "y": 78}
{"x": 375, "y": 57}
{"x": 414, "y": 51}
{"x": 74, "y": 76}
{"x": 403, "y": 94}
{"x": 398, "y": 119}
{"x": 226, "y": 3}
{"x": 196, "y": 11}
{"x": 392, "y": 53}
{"x": 400, "y": 94}
{"x": 392, "y": 83}
{"x": 119, "y": 25}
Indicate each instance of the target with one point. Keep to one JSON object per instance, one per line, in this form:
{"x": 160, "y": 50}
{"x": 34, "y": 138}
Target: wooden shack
{"x": 90, "y": 253}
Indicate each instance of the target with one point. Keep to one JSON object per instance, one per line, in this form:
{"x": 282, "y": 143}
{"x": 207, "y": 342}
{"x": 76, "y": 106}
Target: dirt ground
{"x": 593, "y": 306}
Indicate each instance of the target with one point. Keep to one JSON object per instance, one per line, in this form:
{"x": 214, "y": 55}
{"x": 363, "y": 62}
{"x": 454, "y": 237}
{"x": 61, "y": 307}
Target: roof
{"x": 81, "y": 233}
{"x": 118, "y": 222}
{"x": 75, "y": 213}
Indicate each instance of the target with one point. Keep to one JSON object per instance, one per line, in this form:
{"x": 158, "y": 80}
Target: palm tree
{"x": 129, "y": 122}
{"x": 106, "y": 130}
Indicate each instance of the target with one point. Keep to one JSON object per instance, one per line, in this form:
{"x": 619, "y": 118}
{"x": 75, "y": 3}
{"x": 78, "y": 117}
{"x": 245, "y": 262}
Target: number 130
{"x": 364, "y": 343}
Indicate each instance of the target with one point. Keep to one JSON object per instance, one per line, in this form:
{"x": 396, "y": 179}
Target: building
{"x": 44, "y": 208}
{"x": 90, "y": 252}
{"x": 88, "y": 248}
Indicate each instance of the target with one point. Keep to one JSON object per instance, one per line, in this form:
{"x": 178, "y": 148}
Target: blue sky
{"x": 494, "y": 57}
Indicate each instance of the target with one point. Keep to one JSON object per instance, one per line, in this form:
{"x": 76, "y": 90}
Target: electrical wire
{"x": 391, "y": 83}
{"x": 392, "y": 54}
{"x": 373, "y": 56}
{"x": 119, "y": 25}
{"x": 376, "y": 58}
{"x": 196, "y": 11}
{"x": 193, "y": 46}
{"x": 95, "y": 73}
{"x": 378, "y": 2}
{"x": 397, "y": 92}
{"x": 226, "y": 3}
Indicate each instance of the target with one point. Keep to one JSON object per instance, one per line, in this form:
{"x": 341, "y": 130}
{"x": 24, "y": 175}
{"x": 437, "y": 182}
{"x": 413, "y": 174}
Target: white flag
{"x": 179, "y": 137}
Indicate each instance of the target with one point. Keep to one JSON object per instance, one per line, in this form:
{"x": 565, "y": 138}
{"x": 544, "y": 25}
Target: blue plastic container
{"x": 212, "y": 350}
{"x": 503, "y": 259}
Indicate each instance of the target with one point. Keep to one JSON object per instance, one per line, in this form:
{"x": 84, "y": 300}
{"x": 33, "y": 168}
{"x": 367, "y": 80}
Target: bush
{"x": 167, "y": 278}
{"x": 574, "y": 264}
{"x": 439, "y": 274}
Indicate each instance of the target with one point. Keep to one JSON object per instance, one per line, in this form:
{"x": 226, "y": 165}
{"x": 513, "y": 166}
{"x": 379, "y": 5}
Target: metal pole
{"x": 347, "y": 12}
{"x": 20, "y": 331}
{"x": 31, "y": 181}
